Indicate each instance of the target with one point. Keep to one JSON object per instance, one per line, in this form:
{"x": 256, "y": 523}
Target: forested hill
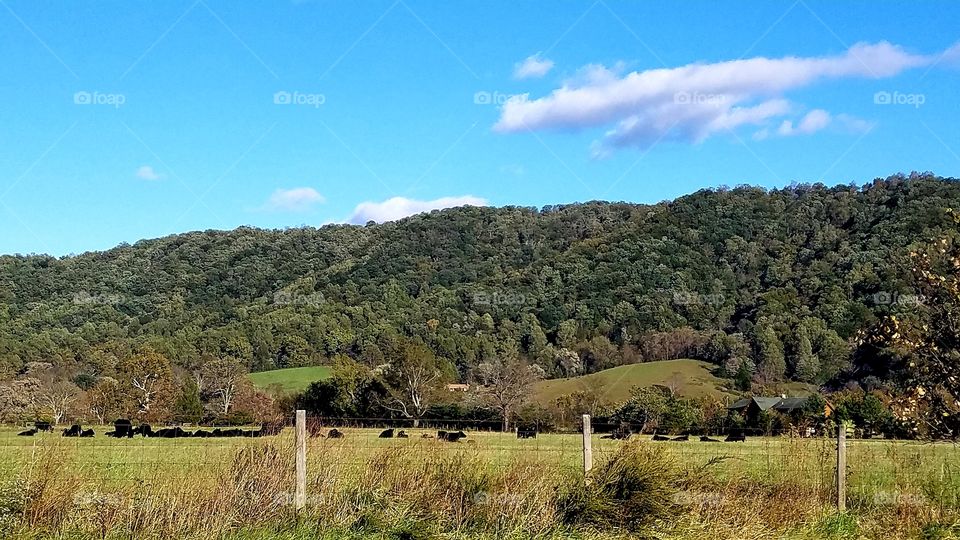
{"x": 774, "y": 282}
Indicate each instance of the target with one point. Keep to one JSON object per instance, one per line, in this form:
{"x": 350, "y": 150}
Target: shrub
{"x": 636, "y": 488}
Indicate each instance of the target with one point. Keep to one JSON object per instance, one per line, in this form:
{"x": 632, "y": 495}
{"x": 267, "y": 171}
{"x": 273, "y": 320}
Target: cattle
{"x": 681, "y": 438}
{"x": 271, "y": 428}
{"x": 740, "y": 437}
{"x": 87, "y": 433}
{"x": 144, "y": 430}
{"x": 451, "y": 436}
{"x": 402, "y": 435}
{"x": 121, "y": 428}
{"x": 72, "y": 431}
{"x": 335, "y": 434}
{"x": 27, "y": 433}
{"x": 708, "y": 439}
{"x": 386, "y": 434}
{"x": 526, "y": 434}
{"x": 43, "y": 426}
{"x": 660, "y": 437}
{"x": 172, "y": 433}
{"x": 202, "y": 434}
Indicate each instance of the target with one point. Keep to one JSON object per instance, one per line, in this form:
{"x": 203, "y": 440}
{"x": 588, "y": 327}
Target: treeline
{"x": 770, "y": 285}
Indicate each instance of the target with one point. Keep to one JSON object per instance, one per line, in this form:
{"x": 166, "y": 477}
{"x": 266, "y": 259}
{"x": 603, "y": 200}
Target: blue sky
{"x": 128, "y": 120}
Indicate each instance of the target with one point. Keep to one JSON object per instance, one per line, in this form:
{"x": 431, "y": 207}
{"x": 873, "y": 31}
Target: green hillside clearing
{"x": 290, "y": 379}
{"x": 689, "y": 378}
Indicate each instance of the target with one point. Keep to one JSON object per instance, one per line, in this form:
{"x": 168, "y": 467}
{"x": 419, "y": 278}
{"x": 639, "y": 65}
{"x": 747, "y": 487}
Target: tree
{"x": 104, "y": 399}
{"x": 507, "y": 385}
{"x": 188, "y": 407}
{"x": 17, "y": 399}
{"x": 771, "y": 364}
{"x": 928, "y": 344}
{"x": 413, "y": 380}
{"x": 645, "y": 408}
{"x": 223, "y": 377}
{"x": 806, "y": 365}
{"x": 56, "y": 398}
{"x": 147, "y": 382}
{"x": 569, "y": 362}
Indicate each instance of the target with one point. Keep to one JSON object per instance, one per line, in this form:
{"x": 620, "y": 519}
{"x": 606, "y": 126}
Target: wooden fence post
{"x": 842, "y": 468}
{"x": 300, "y": 495}
{"x": 587, "y": 445}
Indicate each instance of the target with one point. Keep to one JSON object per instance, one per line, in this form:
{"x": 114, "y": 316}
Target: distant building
{"x": 751, "y": 407}
{"x": 458, "y": 387}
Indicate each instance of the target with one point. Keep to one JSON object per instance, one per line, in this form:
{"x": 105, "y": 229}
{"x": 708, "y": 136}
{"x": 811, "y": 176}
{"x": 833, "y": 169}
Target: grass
{"x": 497, "y": 487}
{"x": 290, "y": 379}
{"x": 690, "y": 378}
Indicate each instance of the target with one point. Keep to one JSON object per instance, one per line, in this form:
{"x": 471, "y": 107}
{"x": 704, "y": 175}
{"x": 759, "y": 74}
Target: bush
{"x": 634, "y": 489}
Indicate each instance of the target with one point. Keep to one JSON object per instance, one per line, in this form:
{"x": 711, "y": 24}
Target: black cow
{"x": 452, "y": 436}
{"x": 202, "y": 434}
{"x": 27, "y": 433}
{"x": 172, "y": 433}
{"x": 386, "y": 434}
{"x": 660, "y": 437}
{"x": 526, "y": 434}
{"x": 144, "y": 430}
{"x": 402, "y": 435}
{"x": 121, "y": 428}
{"x": 740, "y": 437}
{"x": 87, "y": 433}
{"x": 335, "y": 434}
{"x": 43, "y": 426}
{"x": 72, "y": 431}
{"x": 681, "y": 438}
{"x": 708, "y": 439}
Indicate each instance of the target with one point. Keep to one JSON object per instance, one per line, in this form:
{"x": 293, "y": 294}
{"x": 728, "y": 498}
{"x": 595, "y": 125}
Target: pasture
{"x": 289, "y": 379}
{"x": 493, "y": 479}
{"x": 688, "y": 378}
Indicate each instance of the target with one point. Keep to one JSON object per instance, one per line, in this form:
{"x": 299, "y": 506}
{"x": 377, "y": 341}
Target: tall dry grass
{"x": 428, "y": 490}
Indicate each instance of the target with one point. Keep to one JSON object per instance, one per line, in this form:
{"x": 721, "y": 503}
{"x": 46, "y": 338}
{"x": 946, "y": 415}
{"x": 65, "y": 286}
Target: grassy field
{"x": 691, "y": 378}
{"x": 290, "y": 379}
{"x": 688, "y": 378}
{"x": 774, "y": 487}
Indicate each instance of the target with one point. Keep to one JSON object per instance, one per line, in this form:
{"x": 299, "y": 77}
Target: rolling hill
{"x": 690, "y": 378}
{"x": 290, "y": 379}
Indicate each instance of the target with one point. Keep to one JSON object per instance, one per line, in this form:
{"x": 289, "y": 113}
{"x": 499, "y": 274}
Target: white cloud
{"x": 814, "y": 121}
{"x": 693, "y": 102}
{"x": 146, "y": 172}
{"x": 533, "y": 67}
{"x": 293, "y": 200}
{"x": 401, "y": 207}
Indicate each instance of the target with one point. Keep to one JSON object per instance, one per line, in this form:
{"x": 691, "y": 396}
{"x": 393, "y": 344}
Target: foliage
{"x": 612, "y": 283}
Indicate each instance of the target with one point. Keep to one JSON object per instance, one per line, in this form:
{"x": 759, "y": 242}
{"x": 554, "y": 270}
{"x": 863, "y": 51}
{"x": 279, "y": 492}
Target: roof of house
{"x": 767, "y": 403}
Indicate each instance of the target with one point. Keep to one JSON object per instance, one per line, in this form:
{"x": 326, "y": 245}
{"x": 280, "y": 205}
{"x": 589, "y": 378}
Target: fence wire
{"x": 345, "y": 456}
